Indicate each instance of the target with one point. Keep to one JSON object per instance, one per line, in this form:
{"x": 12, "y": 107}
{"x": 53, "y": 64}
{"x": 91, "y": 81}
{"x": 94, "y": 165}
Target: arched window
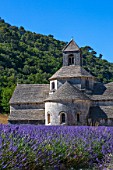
{"x": 48, "y": 118}
{"x": 53, "y": 85}
{"x": 78, "y": 117}
{"x": 71, "y": 59}
{"x": 87, "y": 84}
{"x": 63, "y": 119}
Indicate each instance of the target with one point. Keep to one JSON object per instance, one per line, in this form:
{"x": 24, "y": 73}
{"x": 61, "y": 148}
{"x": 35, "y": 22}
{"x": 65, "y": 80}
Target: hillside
{"x": 27, "y": 57}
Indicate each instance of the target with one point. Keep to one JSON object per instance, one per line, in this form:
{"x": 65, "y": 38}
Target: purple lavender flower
{"x": 44, "y": 147}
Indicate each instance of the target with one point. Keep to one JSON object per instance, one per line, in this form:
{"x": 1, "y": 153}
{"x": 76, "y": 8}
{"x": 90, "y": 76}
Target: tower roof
{"x": 71, "y": 46}
{"x": 67, "y": 92}
{"x": 70, "y": 72}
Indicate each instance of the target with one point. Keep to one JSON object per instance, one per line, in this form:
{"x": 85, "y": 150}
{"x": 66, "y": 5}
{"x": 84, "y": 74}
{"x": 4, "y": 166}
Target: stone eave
{"x": 65, "y": 100}
{"x": 42, "y": 102}
{"x": 71, "y": 51}
{"x": 97, "y": 100}
{"x": 10, "y": 119}
{"x": 82, "y": 76}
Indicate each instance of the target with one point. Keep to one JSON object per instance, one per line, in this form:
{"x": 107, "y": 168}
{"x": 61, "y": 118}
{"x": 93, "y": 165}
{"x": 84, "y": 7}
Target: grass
{"x": 3, "y": 119}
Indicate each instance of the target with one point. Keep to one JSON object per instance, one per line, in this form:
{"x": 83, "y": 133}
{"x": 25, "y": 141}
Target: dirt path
{"x": 3, "y": 119}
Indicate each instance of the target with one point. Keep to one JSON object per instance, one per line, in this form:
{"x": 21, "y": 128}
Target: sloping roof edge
{"x": 67, "y": 92}
{"x": 72, "y": 71}
{"x": 71, "y": 46}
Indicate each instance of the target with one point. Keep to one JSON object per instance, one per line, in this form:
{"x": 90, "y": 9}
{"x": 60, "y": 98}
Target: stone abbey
{"x": 73, "y": 97}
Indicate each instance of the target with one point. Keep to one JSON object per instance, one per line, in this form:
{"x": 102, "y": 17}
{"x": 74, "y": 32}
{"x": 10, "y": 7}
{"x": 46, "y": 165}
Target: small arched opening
{"x": 71, "y": 59}
{"x": 63, "y": 118}
{"x": 78, "y": 117}
{"x": 48, "y": 118}
{"x": 53, "y": 85}
{"x": 87, "y": 84}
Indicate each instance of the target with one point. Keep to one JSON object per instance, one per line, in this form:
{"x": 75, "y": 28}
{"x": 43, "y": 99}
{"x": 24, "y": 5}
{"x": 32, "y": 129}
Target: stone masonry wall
{"x": 71, "y": 110}
{"x": 77, "y": 58}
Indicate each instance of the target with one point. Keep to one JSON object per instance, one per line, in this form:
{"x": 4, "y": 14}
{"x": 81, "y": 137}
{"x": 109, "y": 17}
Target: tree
{"x": 5, "y": 97}
{"x": 27, "y": 57}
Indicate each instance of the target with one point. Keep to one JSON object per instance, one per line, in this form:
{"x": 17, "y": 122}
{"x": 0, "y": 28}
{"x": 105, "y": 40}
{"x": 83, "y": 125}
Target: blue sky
{"x": 90, "y": 22}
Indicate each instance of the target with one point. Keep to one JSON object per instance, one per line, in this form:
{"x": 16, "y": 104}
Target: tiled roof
{"x": 99, "y": 88}
{"x": 108, "y": 110}
{"x": 71, "y": 71}
{"x": 30, "y": 93}
{"x": 71, "y": 46}
{"x": 67, "y": 92}
{"x": 101, "y": 112}
{"x": 27, "y": 114}
{"x": 104, "y": 92}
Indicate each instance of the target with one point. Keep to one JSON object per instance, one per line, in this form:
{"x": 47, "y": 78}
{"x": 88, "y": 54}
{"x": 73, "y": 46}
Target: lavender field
{"x": 28, "y": 147}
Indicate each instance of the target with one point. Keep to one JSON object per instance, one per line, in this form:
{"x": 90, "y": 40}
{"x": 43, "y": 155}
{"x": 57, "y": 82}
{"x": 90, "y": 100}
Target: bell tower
{"x": 72, "y": 54}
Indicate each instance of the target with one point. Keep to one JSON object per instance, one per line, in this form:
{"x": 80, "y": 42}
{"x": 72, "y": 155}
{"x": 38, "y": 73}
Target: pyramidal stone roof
{"x": 71, "y": 46}
{"x": 106, "y": 94}
{"x": 30, "y": 93}
{"x": 67, "y": 92}
{"x": 71, "y": 71}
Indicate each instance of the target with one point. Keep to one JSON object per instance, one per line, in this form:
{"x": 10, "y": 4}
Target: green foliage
{"x": 27, "y": 57}
{"x": 5, "y": 97}
{"x": 100, "y": 68}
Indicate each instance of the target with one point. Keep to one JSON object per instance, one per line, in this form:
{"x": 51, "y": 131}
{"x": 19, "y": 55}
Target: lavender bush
{"x": 29, "y": 147}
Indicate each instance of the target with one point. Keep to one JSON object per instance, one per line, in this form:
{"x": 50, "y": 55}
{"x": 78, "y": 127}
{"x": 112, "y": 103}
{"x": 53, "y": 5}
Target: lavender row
{"x": 29, "y": 147}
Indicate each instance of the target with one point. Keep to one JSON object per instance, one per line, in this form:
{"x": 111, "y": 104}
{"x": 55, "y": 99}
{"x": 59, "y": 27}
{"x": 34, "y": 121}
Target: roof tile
{"x": 71, "y": 71}
{"x": 67, "y": 92}
{"x": 71, "y": 46}
{"x": 27, "y": 114}
{"x": 30, "y": 93}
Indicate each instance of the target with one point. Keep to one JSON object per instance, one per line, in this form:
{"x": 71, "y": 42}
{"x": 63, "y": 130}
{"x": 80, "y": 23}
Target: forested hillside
{"x": 28, "y": 57}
